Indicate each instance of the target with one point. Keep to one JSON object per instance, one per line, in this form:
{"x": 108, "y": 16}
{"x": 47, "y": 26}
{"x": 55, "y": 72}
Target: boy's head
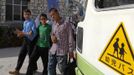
{"x": 117, "y": 39}
{"x": 26, "y": 14}
{"x": 122, "y": 45}
{"x": 43, "y": 18}
{"x": 53, "y": 12}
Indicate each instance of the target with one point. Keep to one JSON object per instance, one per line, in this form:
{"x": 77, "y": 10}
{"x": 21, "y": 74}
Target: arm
{"x": 29, "y": 30}
{"x": 32, "y": 29}
{"x": 71, "y": 40}
{"x": 19, "y": 33}
{"x": 53, "y": 37}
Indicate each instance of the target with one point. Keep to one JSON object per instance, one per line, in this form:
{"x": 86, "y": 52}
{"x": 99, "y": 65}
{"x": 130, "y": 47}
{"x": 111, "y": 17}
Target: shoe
{"x": 14, "y": 72}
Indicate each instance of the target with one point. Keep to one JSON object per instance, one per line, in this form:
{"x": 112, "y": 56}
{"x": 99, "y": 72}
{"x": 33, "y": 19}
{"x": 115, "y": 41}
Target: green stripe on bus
{"x": 86, "y": 68}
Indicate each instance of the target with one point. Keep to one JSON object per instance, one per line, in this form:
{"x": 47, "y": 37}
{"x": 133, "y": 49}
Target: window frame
{"x": 125, "y": 6}
{"x": 79, "y": 39}
{"x": 13, "y": 12}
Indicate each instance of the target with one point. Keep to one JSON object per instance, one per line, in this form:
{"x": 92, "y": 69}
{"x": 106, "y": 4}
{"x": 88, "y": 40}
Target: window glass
{"x": 24, "y": 2}
{"x": 14, "y": 9}
{"x": 112, "y": 3}
{"x": 9, "y": 1}
{"x": 8, "y": 12}
{"x": 17, "y": 1}
{"x": 79, "y": 39}
{"x": 16, "y": 12}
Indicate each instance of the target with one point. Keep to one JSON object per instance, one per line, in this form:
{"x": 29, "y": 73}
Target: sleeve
{"x": 28, "y": 28}
{"x": 37, "y": 21}
{"x": 33, "y": 28}
{"x": 70, "y": 38}
{"x": 25, "y": 29}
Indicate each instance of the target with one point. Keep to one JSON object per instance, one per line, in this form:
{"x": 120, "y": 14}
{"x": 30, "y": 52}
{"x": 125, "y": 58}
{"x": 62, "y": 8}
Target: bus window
{"x": 112, "y": 3}
{"x": 79, "y": 39}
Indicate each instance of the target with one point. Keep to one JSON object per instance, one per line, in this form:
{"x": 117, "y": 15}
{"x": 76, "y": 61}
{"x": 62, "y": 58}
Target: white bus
{"x": 105, "y": 38}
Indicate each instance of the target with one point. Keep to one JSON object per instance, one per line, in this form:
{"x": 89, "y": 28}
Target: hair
{"x": 53, "y": 9}
{"x": 27, "y": 11}
{"x": 44, "y": 15}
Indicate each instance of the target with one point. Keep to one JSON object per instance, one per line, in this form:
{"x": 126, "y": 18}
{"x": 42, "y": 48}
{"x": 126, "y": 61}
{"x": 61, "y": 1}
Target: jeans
{"x": 60, "y": 61}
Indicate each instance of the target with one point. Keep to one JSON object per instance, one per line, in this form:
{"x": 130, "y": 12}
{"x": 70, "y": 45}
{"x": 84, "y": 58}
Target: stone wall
{"x": 37, "y": 7}
{"x": 2, "y": 10}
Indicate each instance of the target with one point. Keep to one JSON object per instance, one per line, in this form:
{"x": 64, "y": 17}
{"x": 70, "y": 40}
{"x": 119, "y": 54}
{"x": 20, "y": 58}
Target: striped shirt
{"x": 63, "y": 33}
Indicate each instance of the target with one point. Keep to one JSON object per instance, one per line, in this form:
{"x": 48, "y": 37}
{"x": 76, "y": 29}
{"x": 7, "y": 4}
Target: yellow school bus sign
{"x": 118, "y": 53}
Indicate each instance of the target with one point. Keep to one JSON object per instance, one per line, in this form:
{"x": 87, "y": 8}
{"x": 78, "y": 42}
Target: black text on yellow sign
{"x": 118, "y": 53}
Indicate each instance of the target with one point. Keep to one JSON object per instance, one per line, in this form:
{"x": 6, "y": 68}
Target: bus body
{"x": 102, "y": 25}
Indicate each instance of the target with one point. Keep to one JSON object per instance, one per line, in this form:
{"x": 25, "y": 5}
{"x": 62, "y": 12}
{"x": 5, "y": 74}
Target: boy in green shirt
{"x": 42, "y": 45}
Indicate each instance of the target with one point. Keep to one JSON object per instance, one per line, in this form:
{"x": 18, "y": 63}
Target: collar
{"x": 27, "y": 20}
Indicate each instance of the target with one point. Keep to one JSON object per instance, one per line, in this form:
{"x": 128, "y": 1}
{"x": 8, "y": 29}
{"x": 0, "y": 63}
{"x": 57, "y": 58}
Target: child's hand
{"x": 16, "y": 31}
{"x": 30, "y": 33}
{"x": 20, "y": 34}
{"x": 54, "y": 39}
{"x": 71, "y": 55}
